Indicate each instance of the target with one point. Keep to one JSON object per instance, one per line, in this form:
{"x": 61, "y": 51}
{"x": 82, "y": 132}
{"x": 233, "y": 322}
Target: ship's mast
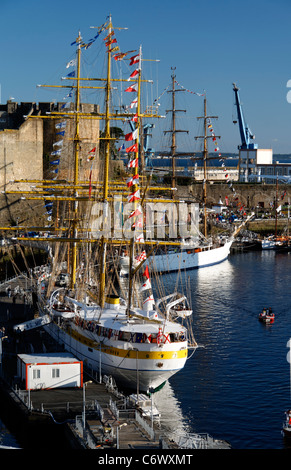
{"x": 106, "y": 172}
{"x": 174, "y": 131}
{"x": 205, "y": 159}
{"x": 76, "y": 166}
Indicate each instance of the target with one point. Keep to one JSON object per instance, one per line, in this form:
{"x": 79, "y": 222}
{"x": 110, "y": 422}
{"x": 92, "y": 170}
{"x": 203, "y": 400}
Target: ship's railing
{"x": 145, "y": 425}
{"x": 84, "y": 433}
{"x": 200, "y": 441}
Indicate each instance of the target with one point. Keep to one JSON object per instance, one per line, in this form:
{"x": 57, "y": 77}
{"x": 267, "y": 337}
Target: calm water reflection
{"x": 237, "y": 386}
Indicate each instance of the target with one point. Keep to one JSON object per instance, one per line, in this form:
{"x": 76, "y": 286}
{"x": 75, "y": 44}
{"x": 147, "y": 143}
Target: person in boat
{"x": 288, "y": 417}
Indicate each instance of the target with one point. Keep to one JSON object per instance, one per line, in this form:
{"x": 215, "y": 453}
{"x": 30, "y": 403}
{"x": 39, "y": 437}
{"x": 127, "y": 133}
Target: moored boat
{"x": 286, "y": 429}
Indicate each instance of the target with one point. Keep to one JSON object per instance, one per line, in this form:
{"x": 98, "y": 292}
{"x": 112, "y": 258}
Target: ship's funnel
{"x": 112, "y": 301}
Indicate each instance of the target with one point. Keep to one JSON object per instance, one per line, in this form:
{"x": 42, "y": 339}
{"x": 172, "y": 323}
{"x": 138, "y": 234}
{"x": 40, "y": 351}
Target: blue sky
{"x": 211, "y": 43}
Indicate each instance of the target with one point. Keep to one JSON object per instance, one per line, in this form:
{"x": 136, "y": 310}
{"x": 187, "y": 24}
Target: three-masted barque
{"x": 121, "y": 331}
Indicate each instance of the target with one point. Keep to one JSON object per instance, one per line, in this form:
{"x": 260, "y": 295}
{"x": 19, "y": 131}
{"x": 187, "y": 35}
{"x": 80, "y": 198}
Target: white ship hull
{"x": 138, "y": 353}
{"x": 190, "y": 258}
{"x": 128, "y": 372}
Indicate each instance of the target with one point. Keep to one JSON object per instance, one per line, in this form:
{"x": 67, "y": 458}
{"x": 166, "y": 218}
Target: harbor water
{"x": 7, "y": 439}
{"x": 236, "y": 386}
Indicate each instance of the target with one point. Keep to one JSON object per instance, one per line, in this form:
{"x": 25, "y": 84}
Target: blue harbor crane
{"x": 245, "y": 132}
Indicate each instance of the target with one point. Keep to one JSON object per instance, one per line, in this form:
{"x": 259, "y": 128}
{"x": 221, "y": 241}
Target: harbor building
{"x": 250, "y": 160}
{"x": 45, "y": 371}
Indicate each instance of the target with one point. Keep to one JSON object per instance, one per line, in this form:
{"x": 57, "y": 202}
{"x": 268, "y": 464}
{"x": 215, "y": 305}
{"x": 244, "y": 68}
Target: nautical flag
{"x": 69, "y": 95}
{"x": 134, "y": 74}
{"x": 134, "y": 59}
{"x": 71, "y": 74}
{"x": 133, "y": 148}
{"x": 132, "y": 88}
{"x": 108, "y": 36}
{"x": 91, "y": 155}
{"x": 121, "y": 148}
{"x": 145, "y": 286}
{"x": 146, "y": 272}
{"x": 120, "y": 56}
{"x": 56, "y": 152}
{"x": 140, "y": 238}
{"x": 133, "y": 163}
{"x": 76, "y": 42}
{"x": 283, "y": 195}
{"x": 159, "y": 336}
{"x": 58, "y": 144}
{"x": 132, "y": 135}
{"x": 132, "y": 180}
{"x": 149, "y": 299}
{"x": 55, "y": 162}
{"x": 60, "y": 133}
{"x": 141, "y": 257}
{"x": 133, "y": 104}
{"x": 138, "y": 211}
{"x": 87, "y": 45}
{"x": 61, "y": 125}
{"x": 111, "y": 41}
{"x": 66, "y": 105}
{"x": 114, "y": 49}
{"x": 138, "y": 223}
{"x": 148, "y": 304}
{"x": 71, "y": 63}
{"x": 134, "y": 118}
{"x": 134, "y": 196}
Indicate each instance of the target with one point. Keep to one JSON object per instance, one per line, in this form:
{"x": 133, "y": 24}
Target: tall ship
{"x": 120, "y": 328}
{"x": 199, "y": 249}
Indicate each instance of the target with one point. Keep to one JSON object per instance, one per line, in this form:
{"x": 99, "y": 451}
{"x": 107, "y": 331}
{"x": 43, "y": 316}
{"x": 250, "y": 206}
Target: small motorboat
{"x": 286, "y": 431}
{"x": 267, "y": 316}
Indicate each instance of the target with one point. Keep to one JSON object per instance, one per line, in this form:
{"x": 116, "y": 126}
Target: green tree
{"x": 115, "y": 134}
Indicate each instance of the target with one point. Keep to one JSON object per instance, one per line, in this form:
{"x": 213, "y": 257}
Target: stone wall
{"x": 21, "y": 152}
{"x": 250, "y": 195}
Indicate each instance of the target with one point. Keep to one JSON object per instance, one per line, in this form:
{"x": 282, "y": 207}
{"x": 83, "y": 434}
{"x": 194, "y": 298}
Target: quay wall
{"x": 250, "y": 195}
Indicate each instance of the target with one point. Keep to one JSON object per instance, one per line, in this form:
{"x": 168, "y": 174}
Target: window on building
{"x": 36, "y": 373}
{"x": 55, "y": 373}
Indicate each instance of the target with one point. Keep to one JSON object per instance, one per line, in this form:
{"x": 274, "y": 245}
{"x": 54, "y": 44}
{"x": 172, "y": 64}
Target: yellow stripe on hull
{"x": 181, "y": 354}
